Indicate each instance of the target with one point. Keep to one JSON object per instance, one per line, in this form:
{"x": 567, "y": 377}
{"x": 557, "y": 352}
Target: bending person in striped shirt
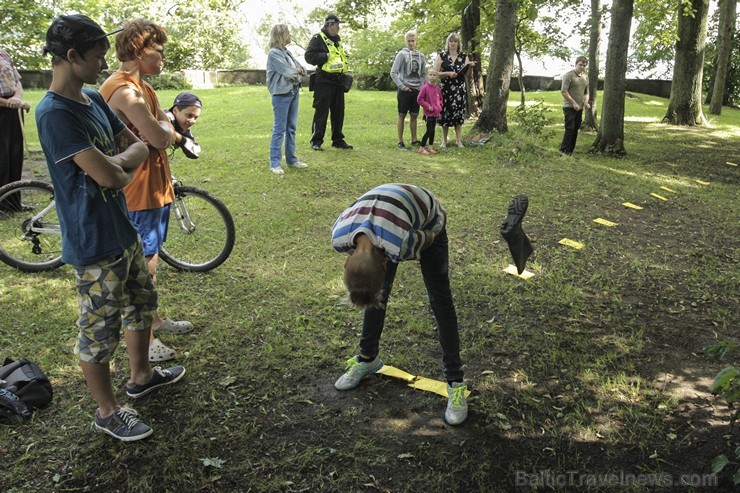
{"x": 388, "y": 224}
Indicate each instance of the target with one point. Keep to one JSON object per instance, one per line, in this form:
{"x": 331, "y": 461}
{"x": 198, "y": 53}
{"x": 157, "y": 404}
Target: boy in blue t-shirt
{"x": 91, "y": 156}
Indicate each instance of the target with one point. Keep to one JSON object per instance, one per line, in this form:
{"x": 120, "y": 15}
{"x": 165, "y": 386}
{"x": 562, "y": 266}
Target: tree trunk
{"x": 501, "y": 63}
{"x": 520, "y": 76}
{"x": 685, "y": 104}
{"x": 470, "y": 44}
{"x": 590, "y": 120}
{"x": 610, "y": 137}
{"x": 727, "y": 18}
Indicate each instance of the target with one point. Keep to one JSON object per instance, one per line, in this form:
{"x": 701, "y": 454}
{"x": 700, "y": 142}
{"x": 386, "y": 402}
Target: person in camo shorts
{"x": 91, "y": 156}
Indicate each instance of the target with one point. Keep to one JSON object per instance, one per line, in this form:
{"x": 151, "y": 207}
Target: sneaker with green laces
{"x": 124, "y": 425}
{"x": 457, "y": 405}
{"x": 356, "y": 371}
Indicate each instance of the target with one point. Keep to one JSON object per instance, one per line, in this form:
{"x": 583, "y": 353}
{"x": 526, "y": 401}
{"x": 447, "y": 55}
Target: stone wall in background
{"x": 202, "y": 79}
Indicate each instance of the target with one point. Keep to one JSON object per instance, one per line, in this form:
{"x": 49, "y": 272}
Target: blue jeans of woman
{"x": 285, "y": 109}
{"x": 434, "y": 263}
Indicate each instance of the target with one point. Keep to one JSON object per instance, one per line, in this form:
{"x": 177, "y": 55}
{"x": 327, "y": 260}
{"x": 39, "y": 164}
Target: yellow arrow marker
{"x": 604, "y": 222}
{"x": 571, "y": 243}
{"x": 431, "y": 386}
{"x": 391, "y": 371}
{"x": 667, "y": 189}
{"x": 511, "y": 269}
{"x": 731, "y": 164}
{"x": 630, "y": 205}
{"x": 421, "y": 383}
{"x": 658, "y": 196}
{"x": 702, "y": 182}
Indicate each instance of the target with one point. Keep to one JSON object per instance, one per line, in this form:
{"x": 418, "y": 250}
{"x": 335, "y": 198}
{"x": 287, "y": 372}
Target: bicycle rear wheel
{"x": 30, "y": 236}
{"x": 201, "y": 232}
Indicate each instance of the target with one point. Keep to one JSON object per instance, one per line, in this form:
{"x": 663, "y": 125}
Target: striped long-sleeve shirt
{"x": 398, "y": 218}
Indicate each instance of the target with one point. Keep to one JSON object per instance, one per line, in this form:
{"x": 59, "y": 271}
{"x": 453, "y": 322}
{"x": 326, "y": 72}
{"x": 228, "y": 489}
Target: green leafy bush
{"x": 726, "y": 384}
{"x": 175, "y": 81}
{"x": 532, "y": 118}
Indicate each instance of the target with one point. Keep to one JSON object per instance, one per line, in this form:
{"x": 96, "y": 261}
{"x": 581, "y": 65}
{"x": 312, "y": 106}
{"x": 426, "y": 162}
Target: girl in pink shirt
{"x": 430, "y": 98}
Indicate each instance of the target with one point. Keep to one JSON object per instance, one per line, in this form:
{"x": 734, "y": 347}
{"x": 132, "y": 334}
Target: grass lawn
{"x": 593, "y": 367}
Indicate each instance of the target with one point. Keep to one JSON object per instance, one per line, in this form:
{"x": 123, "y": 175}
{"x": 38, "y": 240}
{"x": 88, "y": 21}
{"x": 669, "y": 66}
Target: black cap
{"x": 332, "y": 19}
{"x": 72, "y": 31}
{"x": 185, "y": 99}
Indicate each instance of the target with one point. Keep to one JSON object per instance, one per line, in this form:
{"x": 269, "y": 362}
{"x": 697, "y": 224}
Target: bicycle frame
{"x": 44, "y": 228}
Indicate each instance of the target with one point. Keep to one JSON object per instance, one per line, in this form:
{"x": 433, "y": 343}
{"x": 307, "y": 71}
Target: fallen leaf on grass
{"x": 304, "y": 401}
{"x": 225, "y": 382}
{"x": 213, "y": 462}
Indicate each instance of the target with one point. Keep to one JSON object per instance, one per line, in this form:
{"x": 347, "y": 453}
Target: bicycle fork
{"x": 183, "y": 218}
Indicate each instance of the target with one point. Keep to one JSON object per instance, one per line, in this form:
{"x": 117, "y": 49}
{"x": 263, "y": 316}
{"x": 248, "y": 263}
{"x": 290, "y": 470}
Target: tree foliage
{"x": 25, "y": 24}
{"x": 203, "y": 34}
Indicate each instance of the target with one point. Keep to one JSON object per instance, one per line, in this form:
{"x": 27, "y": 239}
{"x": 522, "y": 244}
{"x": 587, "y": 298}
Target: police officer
{"x": 328, "y": 55}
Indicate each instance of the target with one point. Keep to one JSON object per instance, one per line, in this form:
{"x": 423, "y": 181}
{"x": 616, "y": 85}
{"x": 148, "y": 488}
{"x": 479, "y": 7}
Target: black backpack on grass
{"x": 23, "y": 388}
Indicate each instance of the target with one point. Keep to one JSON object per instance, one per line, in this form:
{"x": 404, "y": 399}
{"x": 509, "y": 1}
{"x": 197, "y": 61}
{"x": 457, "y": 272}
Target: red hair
{"x": 136, "y": 36}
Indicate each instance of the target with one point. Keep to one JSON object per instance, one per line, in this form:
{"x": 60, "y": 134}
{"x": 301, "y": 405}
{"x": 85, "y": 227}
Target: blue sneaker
{"x": 124, "y": 425}
{"x": 159, "y": 378}
{"x": 457, "y": 405}
{"x": 356, "y": 371}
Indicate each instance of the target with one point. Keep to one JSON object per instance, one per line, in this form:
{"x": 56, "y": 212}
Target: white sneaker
{"x": 356, "y": 371}
{"x": 457, "y": 405}
{"x": 298, "y": 164}
{"x": 277, "y": 170}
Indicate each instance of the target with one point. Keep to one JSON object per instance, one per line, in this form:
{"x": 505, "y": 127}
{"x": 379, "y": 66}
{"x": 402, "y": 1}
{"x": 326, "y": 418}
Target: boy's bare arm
{"x": 130, "y": 106}
{"x": 114, "y": 171}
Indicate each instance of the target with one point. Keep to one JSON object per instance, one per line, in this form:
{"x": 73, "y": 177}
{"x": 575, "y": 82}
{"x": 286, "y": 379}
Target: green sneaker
{"x": 356, "y": 371}
{"x": 457, "y": 406}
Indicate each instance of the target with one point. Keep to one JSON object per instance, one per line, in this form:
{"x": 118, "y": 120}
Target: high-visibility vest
{"x": 337, "y": 61}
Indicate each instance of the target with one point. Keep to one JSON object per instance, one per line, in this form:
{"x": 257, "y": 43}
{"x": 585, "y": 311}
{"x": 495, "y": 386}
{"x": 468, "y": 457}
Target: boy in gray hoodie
{"x": 409, "y": 73}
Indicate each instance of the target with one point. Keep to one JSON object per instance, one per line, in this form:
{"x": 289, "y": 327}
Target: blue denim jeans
{"x": 434, "y": 262}
{"x": 285, "y": 109}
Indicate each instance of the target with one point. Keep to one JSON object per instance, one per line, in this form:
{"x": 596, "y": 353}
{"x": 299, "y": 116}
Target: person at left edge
{"x": 11, "y": 131}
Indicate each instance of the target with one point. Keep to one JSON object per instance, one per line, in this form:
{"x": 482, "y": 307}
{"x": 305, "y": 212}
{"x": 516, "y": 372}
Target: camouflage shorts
{"x": 112, "y": 293}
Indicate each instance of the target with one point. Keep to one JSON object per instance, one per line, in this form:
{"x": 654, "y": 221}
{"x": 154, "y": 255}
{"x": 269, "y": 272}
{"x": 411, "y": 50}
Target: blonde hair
{"x": 409, "y": 34}
{"x": 364, "y": 277}
{"x": 450, "y": 38}
{"x": 279, "y": 36}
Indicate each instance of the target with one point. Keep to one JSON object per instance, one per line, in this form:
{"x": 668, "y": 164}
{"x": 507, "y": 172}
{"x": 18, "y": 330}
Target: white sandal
{"x": 159, "y": 352}
{"x": 171, "y": 327}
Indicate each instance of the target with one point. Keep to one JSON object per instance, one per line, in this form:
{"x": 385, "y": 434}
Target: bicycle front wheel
{"x": 30, "y": 236}
{"x": 200, "y": 234}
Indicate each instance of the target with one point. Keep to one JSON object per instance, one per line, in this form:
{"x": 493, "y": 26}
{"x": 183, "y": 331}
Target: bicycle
{"x": 200, "y": 236}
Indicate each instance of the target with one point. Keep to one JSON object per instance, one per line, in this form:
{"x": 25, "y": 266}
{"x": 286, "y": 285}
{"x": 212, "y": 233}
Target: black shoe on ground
{"x": 159, "y": 378}
{"x": 401, "y": 147}
{"x": 511, "y": 229}
{"x": 124, "y": 425}
{"x": 342, "y": 145}
{"x": 416, "y": 143}
{"x": 316, "y": 147}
